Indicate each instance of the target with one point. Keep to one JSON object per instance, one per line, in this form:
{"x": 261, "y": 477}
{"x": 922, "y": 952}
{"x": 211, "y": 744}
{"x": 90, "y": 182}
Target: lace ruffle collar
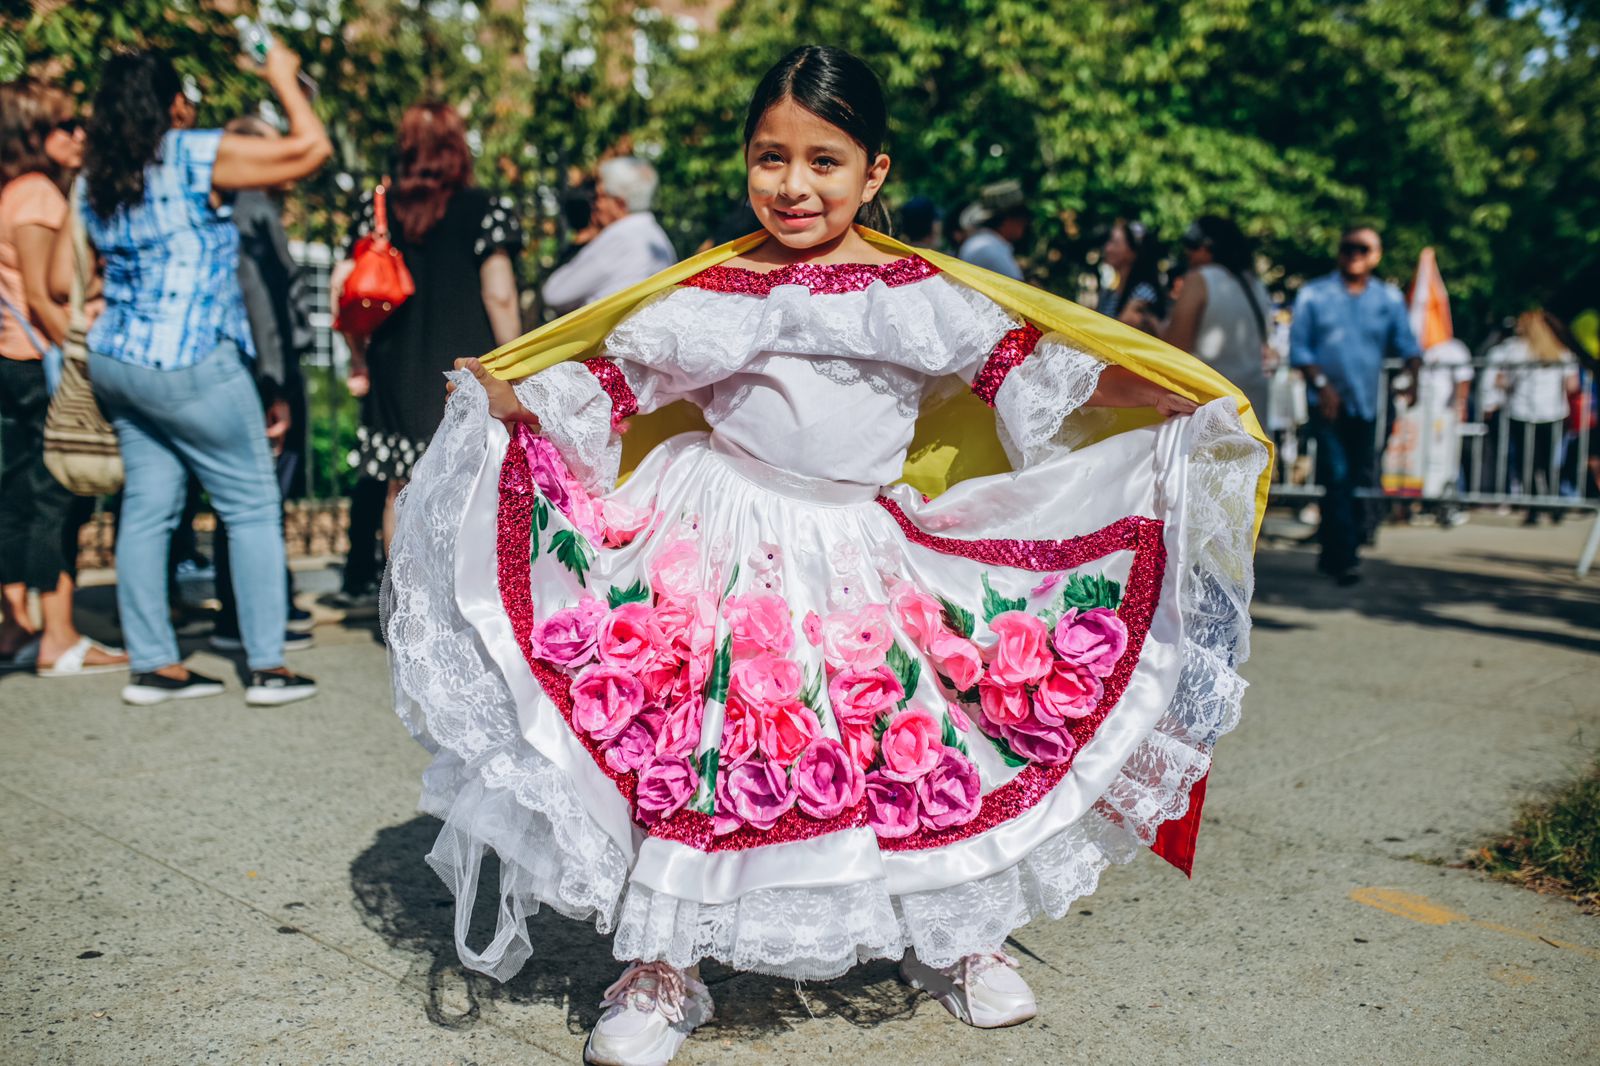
{"x": 820, "y": 278}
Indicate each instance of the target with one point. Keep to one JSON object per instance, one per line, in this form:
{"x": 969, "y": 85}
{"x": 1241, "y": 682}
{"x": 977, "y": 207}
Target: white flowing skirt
{"x": 726, "y": 711}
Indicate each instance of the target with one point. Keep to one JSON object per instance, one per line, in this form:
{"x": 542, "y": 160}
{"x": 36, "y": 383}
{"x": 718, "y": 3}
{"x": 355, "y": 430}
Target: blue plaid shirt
{"x": 171, "y": 264}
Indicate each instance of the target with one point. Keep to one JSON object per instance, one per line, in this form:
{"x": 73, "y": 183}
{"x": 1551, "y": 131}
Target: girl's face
{"x": 807, "y": 178}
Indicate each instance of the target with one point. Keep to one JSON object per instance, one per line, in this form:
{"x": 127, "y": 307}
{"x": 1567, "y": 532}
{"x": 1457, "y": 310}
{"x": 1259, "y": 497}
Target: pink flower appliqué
{"x": 766, "y": 679}
{"x": 1002, "y": 705}
{"x": 635, "y": 745}
{"x": 1048, "y": 585}
{"x": 757, "y": 793}
{"x": 625, "y": 638}
{"x": 548, "y": 469}
{"x": 758, "y": 624}
{"x": 1046, "y": 745}
{"x": 786, "y": 729}
{"x": 827, "y": 780}
{"x": 1094, "y": 639}
{"x": 1021, "y": 655}
{"x": 857, "y": 640}
{"x": 911, "y": 745}
{"x": 680, "y": 728}
{"x": 664, "y": 787}
{"x": 918, "y": 613}
{"x": 741, "y": 732}
{"x": 604, "y": 700}
{"x": 1070, "y": 691}
{"x": 891, "y": 807}
{"x": 812, "y": 628}
{"x": 675, "y": 571}
{"x": 685, "y": 625}
{"x": 859, "y": 696}
{"x": 949, "y": 794}
{"x": 860, "y": 742}
{"x": 956, "y": 658}
{"x": 567, "y": 638}
{"x": 622, "y": 522}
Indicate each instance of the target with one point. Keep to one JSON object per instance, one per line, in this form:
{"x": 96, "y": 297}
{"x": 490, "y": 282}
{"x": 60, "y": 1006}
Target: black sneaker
{"x": 148, "y": 689}
{"x": 271, "y": 689}
{"x": 301, "y": 620}
{"x": 292, "y": 641}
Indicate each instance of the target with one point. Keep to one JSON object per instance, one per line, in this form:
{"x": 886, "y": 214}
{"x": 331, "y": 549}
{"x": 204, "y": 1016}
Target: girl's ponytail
{"x": 874, "y": 215}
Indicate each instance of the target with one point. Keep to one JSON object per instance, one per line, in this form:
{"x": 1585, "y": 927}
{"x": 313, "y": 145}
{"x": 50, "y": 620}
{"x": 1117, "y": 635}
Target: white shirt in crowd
{"x": 624, "y": 253}
{"x": 1531, "y": 391}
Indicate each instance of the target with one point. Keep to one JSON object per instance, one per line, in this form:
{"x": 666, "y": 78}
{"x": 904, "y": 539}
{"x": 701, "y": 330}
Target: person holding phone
{"x": 168, "y": 356}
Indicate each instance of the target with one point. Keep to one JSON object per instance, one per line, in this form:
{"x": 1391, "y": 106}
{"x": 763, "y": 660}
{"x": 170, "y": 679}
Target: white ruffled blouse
{"x": 816, "y": 370}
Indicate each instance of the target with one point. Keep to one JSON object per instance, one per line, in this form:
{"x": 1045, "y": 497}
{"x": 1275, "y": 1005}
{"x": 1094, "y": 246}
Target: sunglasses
{"x": 69, "y": 126}
{"x": 1354, "y": 248}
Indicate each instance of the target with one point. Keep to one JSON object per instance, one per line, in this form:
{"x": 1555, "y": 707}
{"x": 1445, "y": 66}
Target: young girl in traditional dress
{"x": 788, "y": 696}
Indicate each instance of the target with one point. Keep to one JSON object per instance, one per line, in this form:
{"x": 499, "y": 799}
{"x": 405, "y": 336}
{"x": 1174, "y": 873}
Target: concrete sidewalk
{"x": 215, "y": 883}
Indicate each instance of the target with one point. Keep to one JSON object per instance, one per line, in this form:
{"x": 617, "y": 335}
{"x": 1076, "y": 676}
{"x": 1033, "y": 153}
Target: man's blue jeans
{"x": 206, "y": 419}
{"x": 1346, "y": 462}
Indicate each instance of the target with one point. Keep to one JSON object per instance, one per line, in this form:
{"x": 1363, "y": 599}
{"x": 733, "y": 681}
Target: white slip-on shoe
{"x": 983, "y": 990}
{"x": 650, "y": 1011}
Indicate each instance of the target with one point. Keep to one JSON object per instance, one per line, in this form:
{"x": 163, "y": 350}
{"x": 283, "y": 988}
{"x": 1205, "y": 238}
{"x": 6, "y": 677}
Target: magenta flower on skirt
{"x": 949, "y": 794}
{"x": 1094, "y": 639}
{"x": 827, "y": 780}
{"x": 756, "y": 792}
{"x": 664, "y": 787}
{"x": 891, "y": 807}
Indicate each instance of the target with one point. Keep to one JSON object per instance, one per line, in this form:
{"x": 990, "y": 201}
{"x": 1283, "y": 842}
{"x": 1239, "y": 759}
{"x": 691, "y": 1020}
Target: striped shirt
{"x": 171, "y": 264}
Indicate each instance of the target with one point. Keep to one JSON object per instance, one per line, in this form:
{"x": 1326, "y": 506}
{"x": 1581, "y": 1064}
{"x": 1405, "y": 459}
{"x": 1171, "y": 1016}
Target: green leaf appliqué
{"x": 906, "y": 668}
{"x": 705, "y": 796}
{"x": 995, "y": 604}
{"x": 951, "y": 738}
{"x": 721, "y": 668}
{"x": 732, "y": 580}
{"x": 1010, "y": 757}
{"x": 957, "y": 618}
{"x": 571, "y": 551}
{"x": 1087, "y": 591}
{"x": 811, "y": 695}
{"x": 637, "y": 592}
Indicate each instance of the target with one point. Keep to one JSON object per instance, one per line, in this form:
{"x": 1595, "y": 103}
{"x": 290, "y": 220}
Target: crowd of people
{"x": 195, "y": 292}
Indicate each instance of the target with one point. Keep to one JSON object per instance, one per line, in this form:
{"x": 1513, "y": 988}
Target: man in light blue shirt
{"x": 1345, "y": 325}
{"x": 992, "y": 246}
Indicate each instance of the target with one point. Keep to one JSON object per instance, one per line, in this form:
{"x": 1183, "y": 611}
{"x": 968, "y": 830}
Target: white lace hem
{"x": 493, "y": 791}
{"x": 1035, "y": 403}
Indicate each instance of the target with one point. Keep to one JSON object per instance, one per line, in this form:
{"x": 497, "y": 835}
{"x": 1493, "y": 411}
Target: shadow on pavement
{"x": 400, "y": 899}
{"x": 1567, "y": 612}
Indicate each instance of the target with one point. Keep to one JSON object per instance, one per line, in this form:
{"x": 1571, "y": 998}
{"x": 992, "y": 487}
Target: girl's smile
{"x": 808, "y": 178}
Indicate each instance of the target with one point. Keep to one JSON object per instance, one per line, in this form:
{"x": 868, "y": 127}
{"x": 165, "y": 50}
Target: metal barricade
{"x": 1520, "y": 447}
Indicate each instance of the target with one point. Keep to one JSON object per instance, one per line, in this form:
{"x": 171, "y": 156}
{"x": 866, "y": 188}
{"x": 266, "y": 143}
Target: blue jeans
{"x": 206, "y": 419}
{"x": 1346, "y": 462}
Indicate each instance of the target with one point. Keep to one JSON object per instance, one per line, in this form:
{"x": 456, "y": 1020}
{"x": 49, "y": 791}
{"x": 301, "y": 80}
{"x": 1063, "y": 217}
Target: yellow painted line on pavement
{"x": 1425, "y": 911}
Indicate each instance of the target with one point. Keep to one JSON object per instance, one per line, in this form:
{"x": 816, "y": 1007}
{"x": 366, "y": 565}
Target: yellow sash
{"x": 955, "y": 439}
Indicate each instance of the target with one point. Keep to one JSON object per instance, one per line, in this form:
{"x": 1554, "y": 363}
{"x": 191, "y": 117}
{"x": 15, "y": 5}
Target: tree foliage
{"x": 1464, "y": 124}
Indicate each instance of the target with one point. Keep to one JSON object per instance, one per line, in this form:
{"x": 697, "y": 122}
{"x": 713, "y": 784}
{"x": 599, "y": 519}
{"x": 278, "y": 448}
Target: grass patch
{"x": 1554, "y": 845}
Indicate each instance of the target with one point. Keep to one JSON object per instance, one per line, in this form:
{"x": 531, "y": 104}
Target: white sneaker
{"x": 984, "y": 991}
{"x": 651, "y": 1010}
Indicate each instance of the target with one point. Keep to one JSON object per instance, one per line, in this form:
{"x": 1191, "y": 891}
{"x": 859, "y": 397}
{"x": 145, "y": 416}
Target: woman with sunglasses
{"x": 41, "y": 145}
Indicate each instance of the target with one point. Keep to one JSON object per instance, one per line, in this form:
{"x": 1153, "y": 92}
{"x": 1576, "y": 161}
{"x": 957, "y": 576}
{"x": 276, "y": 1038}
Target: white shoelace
{"x": 973, "y": 967}
{"x": 649, "y": 986}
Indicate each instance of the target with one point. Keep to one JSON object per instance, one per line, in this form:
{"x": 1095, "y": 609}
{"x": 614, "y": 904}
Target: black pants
{"x": 1347, "y": 462}
{"x": 39, "y": 519}
{"x": 1539, "y": 439}
{"x": 362, "y": 566}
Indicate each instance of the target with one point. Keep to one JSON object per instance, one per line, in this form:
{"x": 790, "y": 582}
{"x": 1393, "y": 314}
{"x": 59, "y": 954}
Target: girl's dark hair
{"x": 30, "y": 112}
{"x": 1231, "y": 250}
{"x": 132, "y": 112}
{"x": 1146, "y": 269}
{"x": 435, "y": 163}
{"x": 838, "y": 88}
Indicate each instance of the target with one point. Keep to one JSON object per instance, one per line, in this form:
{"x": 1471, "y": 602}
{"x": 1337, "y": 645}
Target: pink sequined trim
{"x": 823, "y": 279}
{"x": 1142, "y": 536}
{"x": 1013, "y": 348}
{"x": 624, "y": 404}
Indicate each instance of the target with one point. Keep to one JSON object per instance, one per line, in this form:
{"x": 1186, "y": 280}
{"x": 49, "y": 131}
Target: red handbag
{"x": 380, "y": 281}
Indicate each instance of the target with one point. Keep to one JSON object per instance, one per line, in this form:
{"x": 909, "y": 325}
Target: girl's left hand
{"x": 1171, "y": 404}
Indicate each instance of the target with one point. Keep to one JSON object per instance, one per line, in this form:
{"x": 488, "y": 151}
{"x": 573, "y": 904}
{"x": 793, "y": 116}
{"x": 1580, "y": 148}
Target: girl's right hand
{"x": 503, "y": 402}
{"x": 281, "y": 66}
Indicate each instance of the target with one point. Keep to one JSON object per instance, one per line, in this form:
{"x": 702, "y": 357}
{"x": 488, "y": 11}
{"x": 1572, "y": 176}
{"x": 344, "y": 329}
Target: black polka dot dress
{"x": 444, "y": 321}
